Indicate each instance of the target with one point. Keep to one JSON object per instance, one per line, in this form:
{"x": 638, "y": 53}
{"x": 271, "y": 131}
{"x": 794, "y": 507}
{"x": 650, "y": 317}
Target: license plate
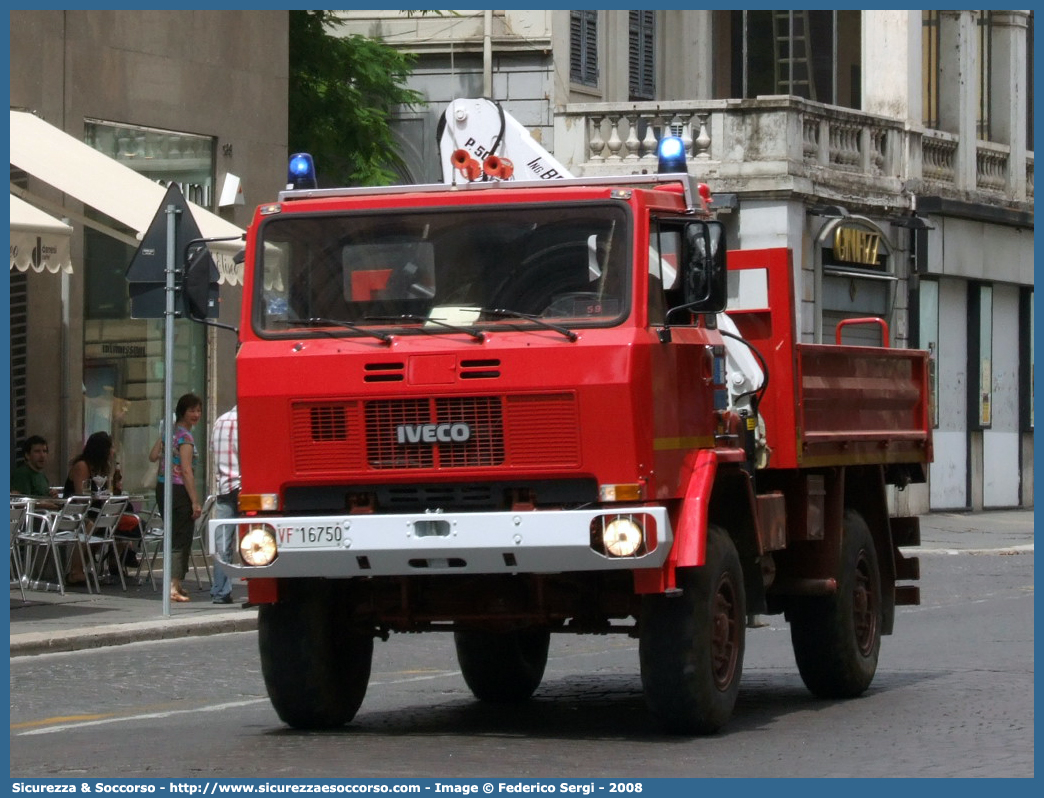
{"x": 309, "y": 536}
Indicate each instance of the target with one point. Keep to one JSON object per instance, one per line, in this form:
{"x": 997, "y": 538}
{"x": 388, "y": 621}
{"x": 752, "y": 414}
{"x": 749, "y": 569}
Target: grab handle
{"x": 864, "y": 320}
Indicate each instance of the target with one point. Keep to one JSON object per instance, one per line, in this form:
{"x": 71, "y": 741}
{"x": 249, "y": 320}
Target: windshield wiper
{"x": 478, "y": 335}
{"x": 514, "y": 314}
{"x": 312, "y": 322}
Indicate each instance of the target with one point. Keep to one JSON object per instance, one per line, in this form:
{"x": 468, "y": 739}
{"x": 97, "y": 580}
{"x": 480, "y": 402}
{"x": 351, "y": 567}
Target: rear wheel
{"x": 503, "y": 667}
{"x": 837, "y": 639}
{"x": 691, "y": 646}
{"x": 316, "y": 672}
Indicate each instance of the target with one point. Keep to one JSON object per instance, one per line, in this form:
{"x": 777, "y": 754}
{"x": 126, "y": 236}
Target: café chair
{"x": 19, "y": 510}
{"x": 100, "y": 539}
{"x": 152, "y": 530}
{"x": 199, "y": 538}
{"x": 149, "y": 536}
{"x": 52, "y": 531}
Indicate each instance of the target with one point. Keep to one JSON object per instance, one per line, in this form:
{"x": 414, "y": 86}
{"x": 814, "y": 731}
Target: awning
{"x": 38, "y": 240}
{"x": 106, "y": 185}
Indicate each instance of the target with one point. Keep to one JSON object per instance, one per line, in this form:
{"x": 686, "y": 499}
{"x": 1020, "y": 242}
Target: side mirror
{"x": 704, "y": 278}
{"x": 200, "y": 286}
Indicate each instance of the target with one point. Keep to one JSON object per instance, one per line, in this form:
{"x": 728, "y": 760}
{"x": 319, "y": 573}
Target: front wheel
{"x": 691, "y": 645}
{"x": 837, "y": 639}
{"x": 316, "y": 672}
{"x": 503, "y": 667}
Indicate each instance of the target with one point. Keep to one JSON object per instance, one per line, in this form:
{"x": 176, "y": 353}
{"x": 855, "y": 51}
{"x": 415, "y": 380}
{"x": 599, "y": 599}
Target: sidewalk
{"x": 50, "y": 622}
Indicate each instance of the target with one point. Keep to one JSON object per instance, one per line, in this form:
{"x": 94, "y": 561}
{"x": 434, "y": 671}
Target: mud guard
{"x": 690, "y": 528}
{"x": 262, "y": 590}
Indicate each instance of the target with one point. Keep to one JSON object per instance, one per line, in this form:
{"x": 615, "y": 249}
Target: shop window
{"x": 642, "y": 55}
{"x": 925, "y": 335}
{"x": 123, "y": 379}
{"x": 980, "y": 355}
{"x": 19, "y": 320}
{"x": 583, "y": 47}
{"x": 1027, "y": 334}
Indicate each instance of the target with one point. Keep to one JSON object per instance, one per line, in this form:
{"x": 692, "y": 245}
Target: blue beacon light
{"x": 671, "y": 155}
{"x": 301, "y": 171}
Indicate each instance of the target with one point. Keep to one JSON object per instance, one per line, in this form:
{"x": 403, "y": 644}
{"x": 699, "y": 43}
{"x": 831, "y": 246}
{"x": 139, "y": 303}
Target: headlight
{"x": 622, "y": 537}
{"x": 258, "y": 546}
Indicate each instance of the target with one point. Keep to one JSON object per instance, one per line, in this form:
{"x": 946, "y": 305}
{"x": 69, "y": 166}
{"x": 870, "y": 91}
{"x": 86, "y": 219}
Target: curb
{"x": 32, "y": 643}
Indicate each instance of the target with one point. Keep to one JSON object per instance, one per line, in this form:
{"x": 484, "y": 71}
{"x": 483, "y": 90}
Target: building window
{"x": 930, "y": 68}
{"x": 642, "y": 55}
{"x": 983, "y": 60}
{"x": 810, "y": 54}
{"x": 583, "y": 47}
{"x": 1029, "y": 80}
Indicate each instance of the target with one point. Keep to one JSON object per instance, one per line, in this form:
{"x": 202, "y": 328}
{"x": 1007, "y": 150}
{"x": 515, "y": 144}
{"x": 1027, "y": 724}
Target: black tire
{"x": 691, "y": 646}
{"x": 837, "y": 639}
{"x": 503, "y": 667}
{"x": 316, "y": 673}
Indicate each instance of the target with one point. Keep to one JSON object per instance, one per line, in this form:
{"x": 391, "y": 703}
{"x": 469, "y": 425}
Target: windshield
{"x": 436, "y": 271}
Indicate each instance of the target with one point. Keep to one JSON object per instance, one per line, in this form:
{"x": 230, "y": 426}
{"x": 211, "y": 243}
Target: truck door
{"x": 686, "y": 278}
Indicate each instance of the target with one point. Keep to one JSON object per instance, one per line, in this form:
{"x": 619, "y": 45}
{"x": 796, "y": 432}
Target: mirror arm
{"x": 212, "y": 323}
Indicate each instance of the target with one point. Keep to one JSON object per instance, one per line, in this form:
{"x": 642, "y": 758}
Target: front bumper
{"x": 538, "y": 541}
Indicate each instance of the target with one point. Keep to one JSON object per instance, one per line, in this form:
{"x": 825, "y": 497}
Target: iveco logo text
{"x": 433, "y": 433}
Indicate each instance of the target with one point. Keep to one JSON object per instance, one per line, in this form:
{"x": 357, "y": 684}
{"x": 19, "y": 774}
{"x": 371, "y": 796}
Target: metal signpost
{"x": 172, "y": 212}
{"x": 153, "y": 273}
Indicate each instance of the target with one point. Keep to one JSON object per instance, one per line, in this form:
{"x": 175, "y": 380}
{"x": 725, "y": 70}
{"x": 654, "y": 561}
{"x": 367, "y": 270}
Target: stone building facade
{"x": 179, "y": 96}
{"x": 889, "y": 151}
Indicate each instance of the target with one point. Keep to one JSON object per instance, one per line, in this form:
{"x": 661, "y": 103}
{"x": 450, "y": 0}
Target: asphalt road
{"x": 953, "y": 696}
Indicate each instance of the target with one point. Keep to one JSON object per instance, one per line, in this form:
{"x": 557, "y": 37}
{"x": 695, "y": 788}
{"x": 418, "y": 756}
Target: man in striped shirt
{"x": 224, "y": 446}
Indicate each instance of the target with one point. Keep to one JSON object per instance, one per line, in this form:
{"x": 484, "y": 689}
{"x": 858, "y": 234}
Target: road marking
{"x": 1006, "y": 550}
{"x": 73, "y": 722}
{"x": 102, "y": 721}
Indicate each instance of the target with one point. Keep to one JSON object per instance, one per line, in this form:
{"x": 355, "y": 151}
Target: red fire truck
{"x": 510, "y": 408}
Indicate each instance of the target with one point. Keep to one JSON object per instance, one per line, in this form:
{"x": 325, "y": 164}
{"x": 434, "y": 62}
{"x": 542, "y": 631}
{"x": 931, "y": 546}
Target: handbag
{"x": 151, "y": 474}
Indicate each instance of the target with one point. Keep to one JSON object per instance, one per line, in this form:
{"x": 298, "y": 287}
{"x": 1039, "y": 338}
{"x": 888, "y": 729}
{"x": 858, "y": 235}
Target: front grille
{"x": 354, "y": 437}
{"x": 483, "y": 415}
{"x": 325, "y": 436}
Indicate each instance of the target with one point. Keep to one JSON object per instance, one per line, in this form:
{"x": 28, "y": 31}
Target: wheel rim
{"x": 864, "y": 606}
{"x": 726, "y": 632}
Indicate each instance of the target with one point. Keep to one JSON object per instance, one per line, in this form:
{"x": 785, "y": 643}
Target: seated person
{"x": 28, "y": 477}
{"x": 96, "y": 460}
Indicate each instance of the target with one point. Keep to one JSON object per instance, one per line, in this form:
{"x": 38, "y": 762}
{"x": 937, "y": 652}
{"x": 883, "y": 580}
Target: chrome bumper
{"x": 550, "y": 541}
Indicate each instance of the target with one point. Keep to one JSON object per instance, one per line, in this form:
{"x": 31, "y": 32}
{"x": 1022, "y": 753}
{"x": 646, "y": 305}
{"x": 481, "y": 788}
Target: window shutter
{"x": 642, "y": 59}
{"x": 583, "y": 47}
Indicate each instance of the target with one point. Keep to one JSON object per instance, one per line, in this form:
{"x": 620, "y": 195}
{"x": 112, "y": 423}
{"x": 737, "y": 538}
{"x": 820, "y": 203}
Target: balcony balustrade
{"x": 787, "y": 143}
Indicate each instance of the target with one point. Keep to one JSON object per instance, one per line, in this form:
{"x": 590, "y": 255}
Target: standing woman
{"x": 185, "y": 505}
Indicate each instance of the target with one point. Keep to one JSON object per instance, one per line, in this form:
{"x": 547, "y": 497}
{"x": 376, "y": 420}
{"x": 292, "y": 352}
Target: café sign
{"x": 854, "y": 245}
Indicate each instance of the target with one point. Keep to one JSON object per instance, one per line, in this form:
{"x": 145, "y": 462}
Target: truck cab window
{"x": 664, "y": 261}
{"x": 400, "y": 269}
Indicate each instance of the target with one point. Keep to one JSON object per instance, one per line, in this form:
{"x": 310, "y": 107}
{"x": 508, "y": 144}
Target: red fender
{"x": 690, "y": 528}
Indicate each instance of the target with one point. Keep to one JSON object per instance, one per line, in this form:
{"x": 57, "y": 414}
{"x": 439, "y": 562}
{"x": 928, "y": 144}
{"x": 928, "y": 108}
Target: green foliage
{"x": 342, "y": 91}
